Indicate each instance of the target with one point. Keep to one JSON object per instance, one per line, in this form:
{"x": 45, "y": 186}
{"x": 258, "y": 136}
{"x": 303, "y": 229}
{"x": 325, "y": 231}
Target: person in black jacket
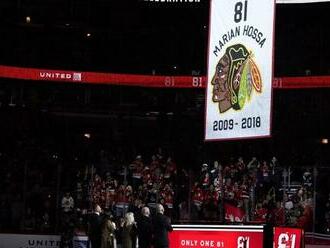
{"x": 144, "y": 226}
{"x": 161, "y": 226}
{"x": 94, "y": 227}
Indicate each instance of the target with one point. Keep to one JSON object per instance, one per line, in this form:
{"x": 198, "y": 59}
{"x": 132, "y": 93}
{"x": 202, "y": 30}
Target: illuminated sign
{"x": 198, "y": 236}
{"x": 286, "y": 237}
{"x": 53, "y": 75}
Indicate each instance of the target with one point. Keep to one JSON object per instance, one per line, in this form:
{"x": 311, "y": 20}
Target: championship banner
{"x": 197, "y": 236}
{"x": 240, "y": 69}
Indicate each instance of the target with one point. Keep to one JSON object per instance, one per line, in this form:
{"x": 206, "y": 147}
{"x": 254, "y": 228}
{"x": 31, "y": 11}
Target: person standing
{"x": 94, "y": 227}
{"x": 119, "y": 232}
{"x": 67, "y": 204}
{"x": 161, "y": 226}
{"x": 129, "y": 231}
{"x": 144, "y": 229}
{"x": 108, "y": 232}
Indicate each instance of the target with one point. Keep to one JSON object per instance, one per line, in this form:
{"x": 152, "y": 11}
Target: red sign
{"x": 216, "y": 236}
{"x": 145, "y": 80}
{"x": 285, "y": 237}
{"x": 233, "y": 213}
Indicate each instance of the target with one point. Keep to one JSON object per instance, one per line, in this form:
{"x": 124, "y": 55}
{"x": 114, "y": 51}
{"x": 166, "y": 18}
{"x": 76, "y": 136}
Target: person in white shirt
{"x": 67, "y": 203}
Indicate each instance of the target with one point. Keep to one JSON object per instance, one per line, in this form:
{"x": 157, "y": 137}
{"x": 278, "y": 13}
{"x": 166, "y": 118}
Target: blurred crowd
{"x": 40, "y": 195}
{"x": 253, "y": 192}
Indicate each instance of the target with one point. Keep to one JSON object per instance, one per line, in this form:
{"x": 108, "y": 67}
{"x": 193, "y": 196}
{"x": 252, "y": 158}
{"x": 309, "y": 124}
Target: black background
{"x": 144, "y": 37}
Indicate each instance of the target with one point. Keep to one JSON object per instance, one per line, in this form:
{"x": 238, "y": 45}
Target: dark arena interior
{"x": 66, "y": 146}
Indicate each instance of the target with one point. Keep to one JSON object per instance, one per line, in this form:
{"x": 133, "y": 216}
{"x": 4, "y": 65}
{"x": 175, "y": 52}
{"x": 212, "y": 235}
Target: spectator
{"x": 108, "y": 232}
{"x": 129, "y": 231}
{"x": 119, "y": 232}
{"x": 144, "y": 228}
{"x": 183, "y": 211}
{"x": 45, "y": 224}
{"x": 279, "y": 214}
{"x": 326, "y": 225}
{"x": 135, "y": 206}
{"x": 94, "y": 227}
{"x": 261, "y": 213}
{"x": 162, "y": 226}
{"x": 67, "y": 204}
{"x": 29, "y": 222}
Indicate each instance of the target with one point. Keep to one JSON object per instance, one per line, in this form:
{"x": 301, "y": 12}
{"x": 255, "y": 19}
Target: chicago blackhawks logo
{"x": 235, "y": 77}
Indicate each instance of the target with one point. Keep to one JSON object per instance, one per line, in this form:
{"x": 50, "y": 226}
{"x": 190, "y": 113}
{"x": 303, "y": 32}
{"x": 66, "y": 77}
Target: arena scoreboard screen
{"x": 235, "y": 236}
{"x": 220, "y": 236}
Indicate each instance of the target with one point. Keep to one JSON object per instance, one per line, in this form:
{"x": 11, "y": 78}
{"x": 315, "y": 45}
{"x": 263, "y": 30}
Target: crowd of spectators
{"x": 33, "y": 201}
{"x": 237, "y": 184}
{"x": 140, "y": 183}
{"x": 257, "y": 192}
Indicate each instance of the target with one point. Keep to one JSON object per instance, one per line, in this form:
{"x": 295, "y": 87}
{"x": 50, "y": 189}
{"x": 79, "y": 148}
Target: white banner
{"x": 301, "y": 1}
{"x": 29, "y": 241}
{"x": 240, "y": 69}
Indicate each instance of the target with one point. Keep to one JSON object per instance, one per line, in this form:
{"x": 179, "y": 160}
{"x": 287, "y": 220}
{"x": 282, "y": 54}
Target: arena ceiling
{"x": 146, "y": 37}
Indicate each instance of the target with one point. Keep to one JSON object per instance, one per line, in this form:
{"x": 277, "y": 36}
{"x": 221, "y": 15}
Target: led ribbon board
{"x": 240, "y": 69}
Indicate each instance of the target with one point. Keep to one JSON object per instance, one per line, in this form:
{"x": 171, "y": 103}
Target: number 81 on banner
{"x": 240, "y": 11}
